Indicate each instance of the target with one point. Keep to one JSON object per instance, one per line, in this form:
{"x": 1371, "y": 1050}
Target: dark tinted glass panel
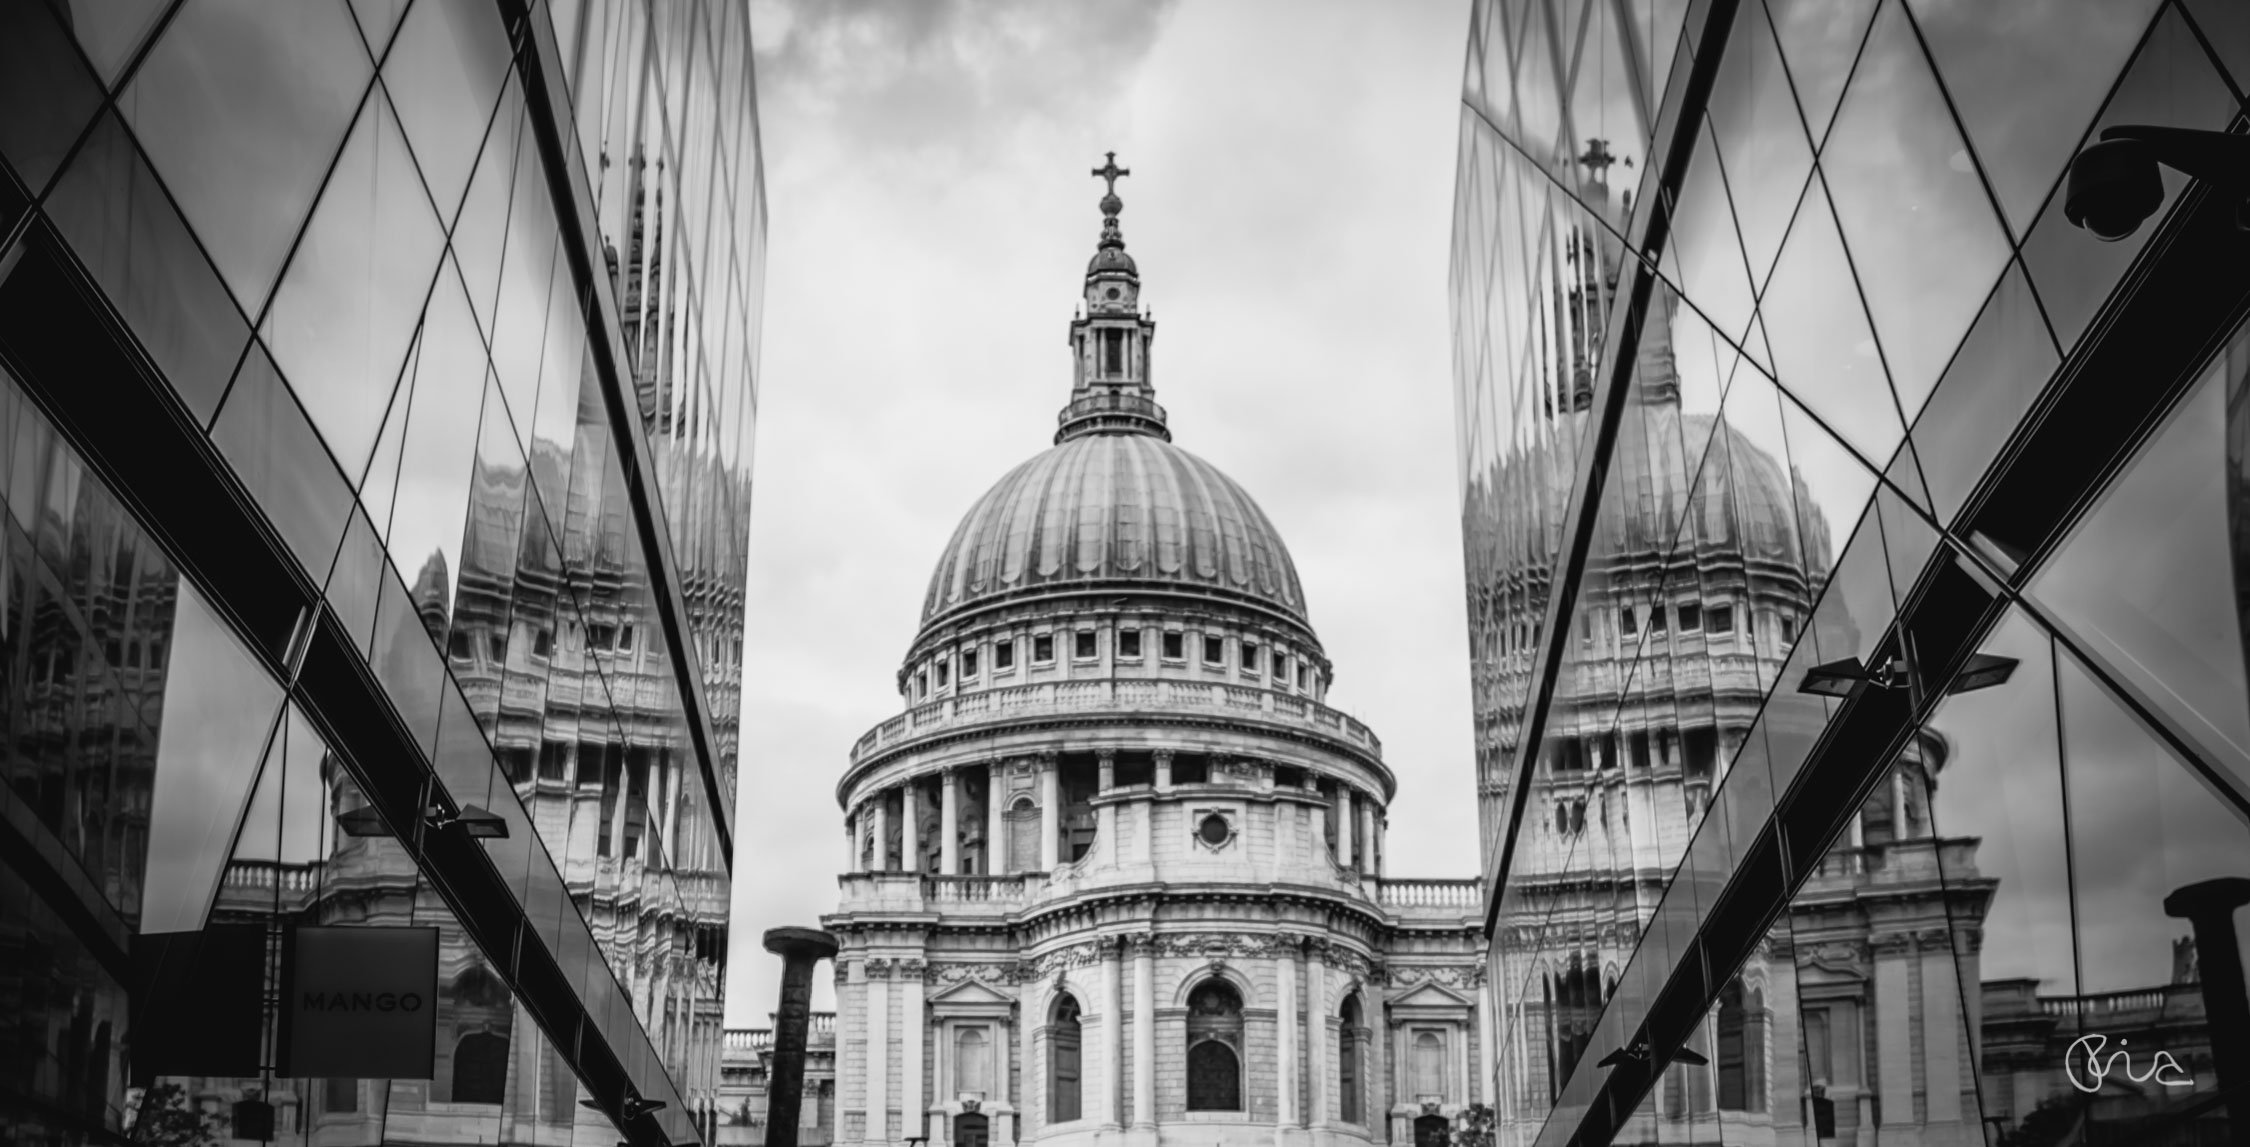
{"x": 46, "y": 95}
{"x": 242, "y": 108}
{"x": 279, "y": 458}
{"x": 110, "y": 208}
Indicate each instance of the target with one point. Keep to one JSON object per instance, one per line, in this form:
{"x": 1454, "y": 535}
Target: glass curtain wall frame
{"x": 369, "y": 603}
{"x": 1902, "y": 504}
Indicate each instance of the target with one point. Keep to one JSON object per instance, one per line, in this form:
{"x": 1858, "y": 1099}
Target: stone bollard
{"x": 799, "y": 949}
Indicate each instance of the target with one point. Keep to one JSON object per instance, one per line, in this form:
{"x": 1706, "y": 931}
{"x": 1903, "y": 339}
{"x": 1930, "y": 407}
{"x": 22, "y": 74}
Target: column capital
{"x": 1048, "y": 757}
{"x": 1163, "y": 756}
{"x": 1105, "y": 754}
{"x": 877, "y": 968}
{"x": 1142, "y": 944}
{"x": 910, "y": 969}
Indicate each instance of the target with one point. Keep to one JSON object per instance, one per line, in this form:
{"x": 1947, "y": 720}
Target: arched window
{"x": 1214, "y": 1052}
{"x": 1023, "y": 836}
{"x": 1062, "y": 1062}
{"x": 1347, "y": 1060}
{"x": 1429, "y": 1064}
{"x": 480, "y": 1068}
{"x": 1741, "y": 1047}
{"x": 972, "y": 1061}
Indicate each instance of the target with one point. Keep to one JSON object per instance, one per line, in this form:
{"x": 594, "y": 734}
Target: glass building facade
{"x": 1858, "y": 573}
{"x": 377, "y": 388}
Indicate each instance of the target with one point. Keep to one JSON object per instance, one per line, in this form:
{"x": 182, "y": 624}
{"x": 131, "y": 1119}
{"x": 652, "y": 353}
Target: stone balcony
{"x": 1108, "y": 694}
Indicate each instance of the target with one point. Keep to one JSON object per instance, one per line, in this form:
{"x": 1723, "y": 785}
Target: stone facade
{"x": 1117, "y": 875}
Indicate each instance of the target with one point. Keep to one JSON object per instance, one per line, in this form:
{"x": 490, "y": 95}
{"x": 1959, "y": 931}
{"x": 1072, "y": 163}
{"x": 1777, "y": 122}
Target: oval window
{"x": 1214, "y": 830}
{"x": 1113, "y": 292}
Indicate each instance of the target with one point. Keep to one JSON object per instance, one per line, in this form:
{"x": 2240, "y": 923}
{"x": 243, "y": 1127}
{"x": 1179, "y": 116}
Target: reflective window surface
{"x": 1866, "y": 289}
{"x": 356, "y": 279}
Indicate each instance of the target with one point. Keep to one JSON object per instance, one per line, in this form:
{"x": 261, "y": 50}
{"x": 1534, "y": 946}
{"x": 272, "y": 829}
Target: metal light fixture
{"x": 1983, "y": 671}
{"x": 634, "y": 1106}
{"x": 1637, "y": 1052}
{"x": 2114, "y": 185}
{"x": 475, "y": 821}
{"x": 1845, "y": 678}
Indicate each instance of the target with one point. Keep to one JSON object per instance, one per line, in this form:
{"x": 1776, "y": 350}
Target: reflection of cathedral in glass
{"x": 1860, "y": 724}
{"x": 375, "y": 434}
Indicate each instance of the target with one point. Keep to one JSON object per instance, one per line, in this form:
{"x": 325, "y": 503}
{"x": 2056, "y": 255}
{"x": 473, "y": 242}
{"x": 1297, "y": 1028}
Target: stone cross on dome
{"x": 1111, "y": 204}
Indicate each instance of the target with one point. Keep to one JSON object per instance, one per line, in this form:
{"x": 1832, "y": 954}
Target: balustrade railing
{"x": 1430, "y": 894}
{"x": 1112, "y": 693}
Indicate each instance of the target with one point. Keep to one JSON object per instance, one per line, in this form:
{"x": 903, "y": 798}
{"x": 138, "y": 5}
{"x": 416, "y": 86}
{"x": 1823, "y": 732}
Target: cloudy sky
{"x": 931, "y": 217}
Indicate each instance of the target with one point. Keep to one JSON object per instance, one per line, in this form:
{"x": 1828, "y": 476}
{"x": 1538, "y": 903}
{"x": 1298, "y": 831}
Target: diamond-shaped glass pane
{"x": 2025, "y": 80}
{"x": 1824, "y": 351}
{"x": 1820, "y": 40}
{"x": 241, "y": 106}
{"x": 1706, "y": 248}
{"x": 1913, "y": 210}
{"x": 1760, "y": 137}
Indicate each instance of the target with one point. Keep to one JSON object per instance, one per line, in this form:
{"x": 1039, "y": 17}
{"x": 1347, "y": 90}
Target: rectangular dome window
{"x": 1004, "y": 655}
{"x": 968, "y": 663}
{"x": 1281, "y": 669}
{"x": 1691, "y": 617}
{"x": 1043, "y": 649}
{"x": 1129, "y": 644}
{"x": 1175, "y": 647}
{"x": 1250, "y": 660}
{"x": 1214, "y": 651}
{"x": 1082, "y": 646}
{"x": 941, "y": 675}
{"x": 1722, "y": 619}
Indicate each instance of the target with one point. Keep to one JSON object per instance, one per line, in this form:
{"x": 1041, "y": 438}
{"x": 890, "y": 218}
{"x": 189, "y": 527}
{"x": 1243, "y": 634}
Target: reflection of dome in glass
{"x": 1752, "y": 513}
{"x": 1115, "y": 508}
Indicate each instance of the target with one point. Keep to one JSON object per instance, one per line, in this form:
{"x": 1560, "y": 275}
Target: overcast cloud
{"x": 931, "y": 218}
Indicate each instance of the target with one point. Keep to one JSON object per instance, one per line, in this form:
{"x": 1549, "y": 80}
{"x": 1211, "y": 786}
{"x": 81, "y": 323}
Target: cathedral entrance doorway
{"x": 971, "y": 1131}
{"x": 1433, "y": 1131}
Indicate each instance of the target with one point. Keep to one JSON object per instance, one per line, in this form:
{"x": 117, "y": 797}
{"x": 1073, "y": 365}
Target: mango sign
{"x": 361, "y": 1002}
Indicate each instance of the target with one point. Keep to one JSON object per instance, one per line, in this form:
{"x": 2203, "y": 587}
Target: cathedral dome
{"x": 1115, "y": 511}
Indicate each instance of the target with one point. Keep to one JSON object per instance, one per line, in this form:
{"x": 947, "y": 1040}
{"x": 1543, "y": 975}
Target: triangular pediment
{"x": 970, "y": 992}
{"x": 1430, "y": 995}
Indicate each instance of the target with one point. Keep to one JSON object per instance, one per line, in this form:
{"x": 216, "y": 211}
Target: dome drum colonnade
{"x": 1117, "y": 872}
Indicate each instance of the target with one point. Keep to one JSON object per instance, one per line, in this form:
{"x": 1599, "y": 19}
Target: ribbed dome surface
{"x": 1115, "y": 507}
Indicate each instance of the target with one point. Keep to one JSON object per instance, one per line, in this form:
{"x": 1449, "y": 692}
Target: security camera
{"x": 2114, "y": 185}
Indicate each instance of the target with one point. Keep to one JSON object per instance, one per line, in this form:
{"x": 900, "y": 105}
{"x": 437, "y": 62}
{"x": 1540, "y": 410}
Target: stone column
{"x": 1004, "y": 1129}
{"x": 949, "y": 824}
{"x": 878, "y": 973}
{"x": 1163, "y": 770}
{"x": 910, "y": 826}
{"x": 1113, "y": 1031}
{"x": 1316, "y": 1031}
{"x": 1894, "y": 1045}
{"x": 1050, "y": 813}
{"x": 1942, "y": 1030}
{"x": 1898, "y": 804}
{"x": 1344, "y": 816}
{"x": 2210, "y": 906}
{"x": 1481, "y": 1087}
{"x": 912, "y": 1059}
{"x": 1034, "y": 1070}
{"x": 1105, "y": 818}
{"x": 851, "y": 841}
{"x": 1144, "y": 1035}
{"x": 882, "y": 856}
{"x": 799, "y": 949}
{"x": 995, "y": 821}
{"x": 1286, "y": 1056}
{"x": 1367, "y": 837}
